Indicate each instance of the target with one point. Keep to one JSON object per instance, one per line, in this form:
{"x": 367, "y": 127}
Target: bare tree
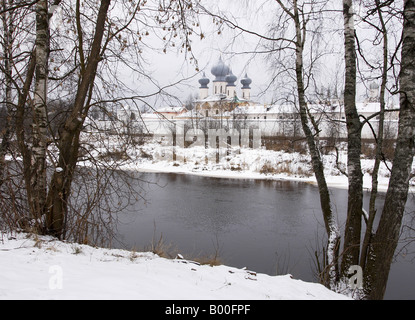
{"x": 288, "y": 50}
{"x": 13, "y": 46}
{"x": 375, "y": 10}
{"x": 6, "y": 43}
{"x": 351, "y": 251}
{"x": 69, "y": 141}
{"x": 387, "y": 234}
{"x": 300, "y": 16}
{"x": 79, "y": 60}
{"x": 39, "y": 142}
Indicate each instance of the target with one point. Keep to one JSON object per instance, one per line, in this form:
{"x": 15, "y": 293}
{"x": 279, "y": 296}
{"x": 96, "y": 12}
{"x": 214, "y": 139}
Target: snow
{"x": 34, "y": 267}
{"x": 248, "y": 163}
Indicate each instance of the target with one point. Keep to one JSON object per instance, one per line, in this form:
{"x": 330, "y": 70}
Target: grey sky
{"x": 236, "y": 49}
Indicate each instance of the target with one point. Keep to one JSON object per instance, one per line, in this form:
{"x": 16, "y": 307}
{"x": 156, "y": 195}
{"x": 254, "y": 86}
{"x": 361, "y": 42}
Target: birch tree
{"x": 289, "y": 50}
{"x": 387, "y": 234}
{"x": 375, "y": 11}
{"x": 351, "y": 251}
{"x": 69, "y": 141}
{"x": 80, "y": 59}
{"x": 39, "y": 144}
{"x": 376, "y": 251}
{"x": 300, "y": 18}
{"x": 111, "y": 36}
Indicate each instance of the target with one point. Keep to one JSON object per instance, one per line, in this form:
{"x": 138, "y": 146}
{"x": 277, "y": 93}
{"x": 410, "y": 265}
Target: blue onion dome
{"x": 246, "y": 81}
{"x": 231, "y": 79}
{"x": 220, "y": 71}
{"x": 204, "y": 81}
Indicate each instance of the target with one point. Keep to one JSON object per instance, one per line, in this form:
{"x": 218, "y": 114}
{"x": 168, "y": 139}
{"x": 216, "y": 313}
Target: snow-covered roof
{"x": 269, "y": 109}
{"x": 371, "y": 107}
{"x": 221, "y": 97}
{"x": 214, "y": 98}
{"x": 284, "y": 108}
{"x": 251, "y": 109}
{"x": 149, "y": 116}
{"x": 170, "y": 110}
{"x": 365, "y": 108}
{"x": 189, "y": 114}
{"x": 362, "y": 108}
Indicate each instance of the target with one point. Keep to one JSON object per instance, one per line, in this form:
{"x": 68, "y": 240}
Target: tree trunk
{"x": 7, "y": 45}
{"x": 355, "y": 193}
{"x": 20, "y": 131}
{"x": 69, "y": 142}
{"x": 332, "y": 229}
{"x": 387, "y": 235}
{"x": 39, "y": 143}
{"x": 379, "y": 143}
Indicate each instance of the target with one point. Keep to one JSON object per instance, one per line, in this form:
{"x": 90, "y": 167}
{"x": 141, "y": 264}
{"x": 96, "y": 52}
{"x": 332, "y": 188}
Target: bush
{"x": 116, "y": 155}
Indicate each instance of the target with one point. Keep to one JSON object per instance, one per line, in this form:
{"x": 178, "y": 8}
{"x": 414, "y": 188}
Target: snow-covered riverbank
{"x": 250, "y": 164}
{"x": 43, "y": 268}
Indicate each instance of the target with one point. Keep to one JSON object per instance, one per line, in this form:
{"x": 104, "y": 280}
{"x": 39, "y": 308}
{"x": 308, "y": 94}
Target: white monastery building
{"x": 226, "y": 103}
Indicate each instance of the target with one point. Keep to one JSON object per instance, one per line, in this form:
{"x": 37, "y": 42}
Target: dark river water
{"x": 271, "y": 227}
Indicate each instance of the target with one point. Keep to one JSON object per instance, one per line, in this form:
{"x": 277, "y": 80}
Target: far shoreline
{"x": 332, "y": 181}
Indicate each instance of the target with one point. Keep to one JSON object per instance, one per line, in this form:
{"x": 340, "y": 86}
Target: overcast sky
{"x": 232, "y": 46}
{"x": 168, "y": 68}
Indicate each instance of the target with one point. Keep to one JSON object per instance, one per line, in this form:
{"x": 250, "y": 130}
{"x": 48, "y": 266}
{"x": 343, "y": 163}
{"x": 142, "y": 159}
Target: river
{"x": 271, "y": 227}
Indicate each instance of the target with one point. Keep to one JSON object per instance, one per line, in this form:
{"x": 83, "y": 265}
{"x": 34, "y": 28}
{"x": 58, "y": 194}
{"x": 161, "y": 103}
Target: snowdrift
{"x": 33, "y": 267}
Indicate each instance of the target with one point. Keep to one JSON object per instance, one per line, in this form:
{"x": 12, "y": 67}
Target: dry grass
{"x": 167, "y": 250}
{"x": 268, "y": 168}
{"x": 285, "y": 144}
{"x": 212, "y": 260}
{"x": 115, "y": 155}
{"x": 161, "y": 248}
{"x": 285, "y": 168}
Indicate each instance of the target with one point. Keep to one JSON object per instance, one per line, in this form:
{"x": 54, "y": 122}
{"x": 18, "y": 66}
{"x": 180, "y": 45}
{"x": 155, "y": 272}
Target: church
{"x": 225, "y": 102}
{"x": 224, "y": 96}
